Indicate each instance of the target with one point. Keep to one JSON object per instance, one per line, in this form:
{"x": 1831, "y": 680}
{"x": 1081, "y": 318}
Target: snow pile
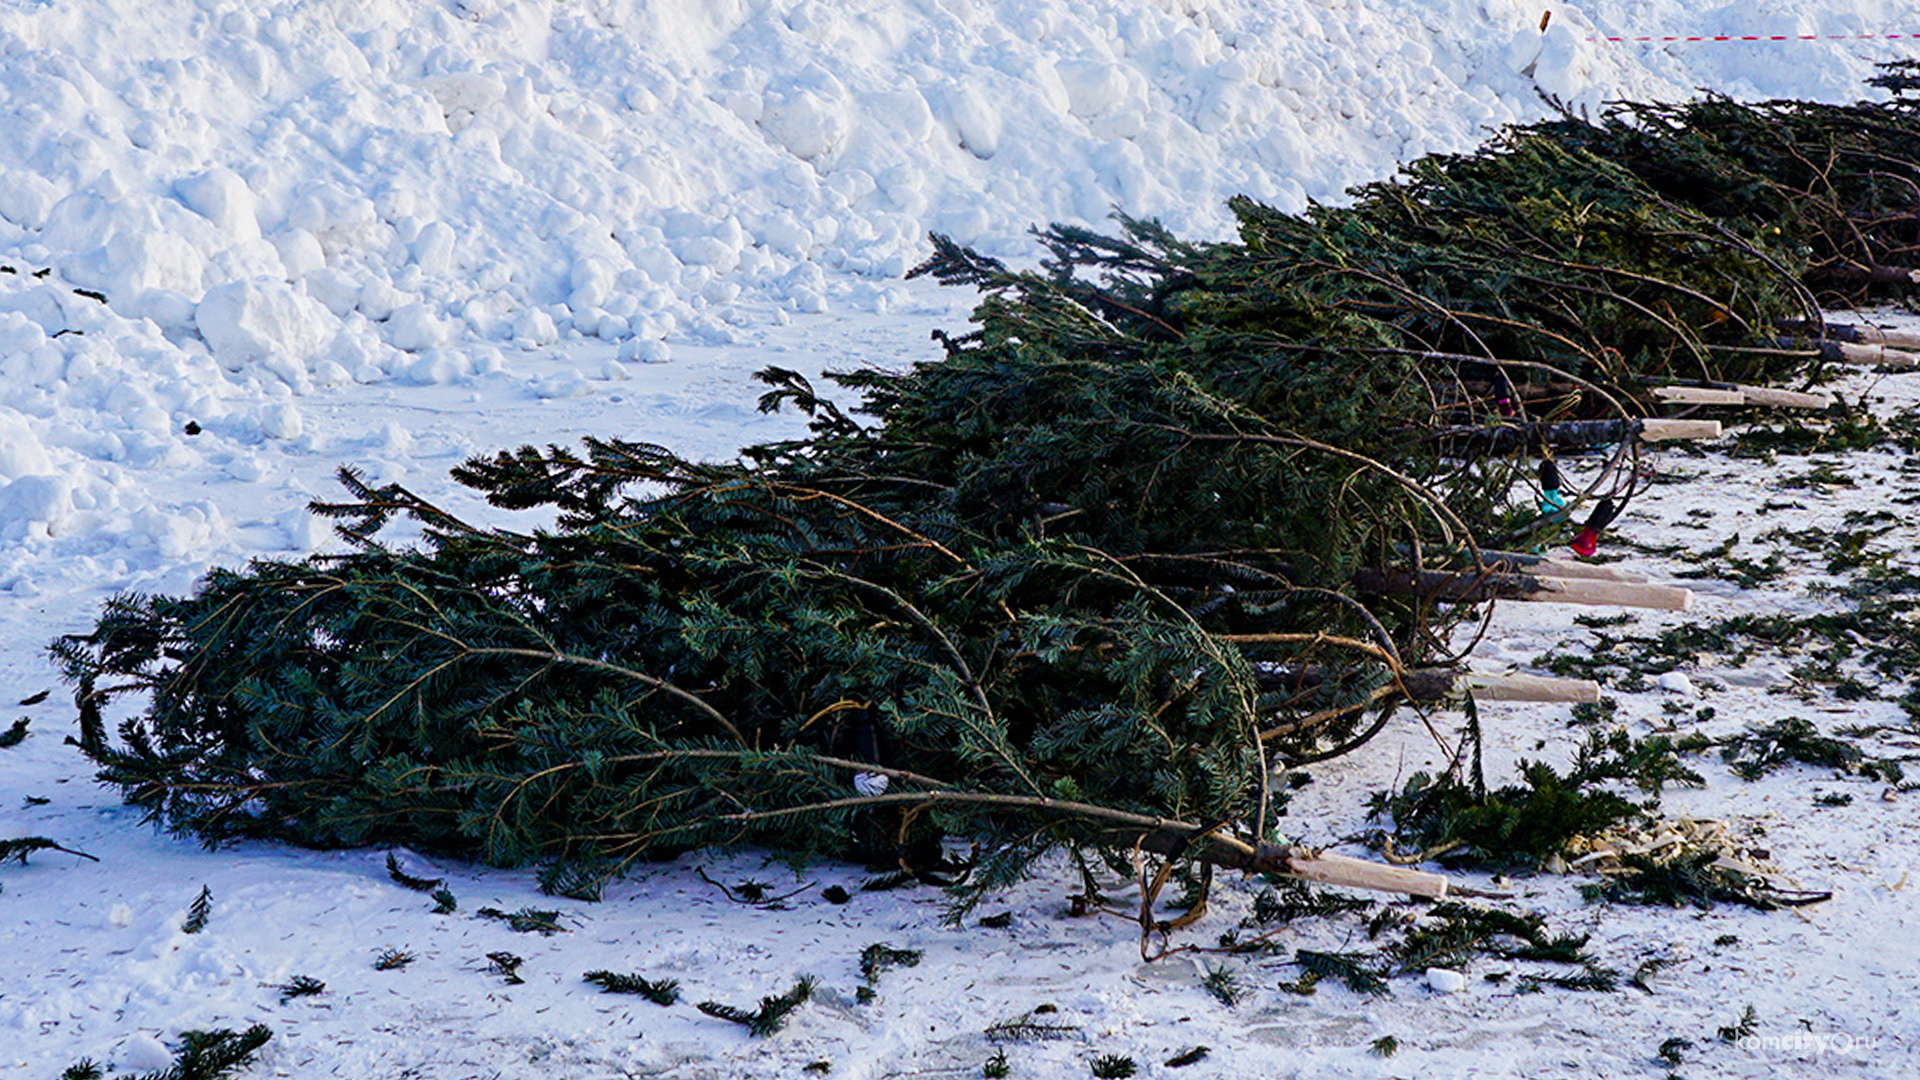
{"x": 267, "y": 183}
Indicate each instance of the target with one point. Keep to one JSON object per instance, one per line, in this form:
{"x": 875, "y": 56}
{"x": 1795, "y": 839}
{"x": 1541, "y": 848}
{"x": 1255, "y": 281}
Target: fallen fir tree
{"x": 810, "y": 659}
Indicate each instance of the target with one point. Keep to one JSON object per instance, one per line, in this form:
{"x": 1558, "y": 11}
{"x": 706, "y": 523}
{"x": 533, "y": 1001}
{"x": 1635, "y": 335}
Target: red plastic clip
{"x": 1588, "y": 541}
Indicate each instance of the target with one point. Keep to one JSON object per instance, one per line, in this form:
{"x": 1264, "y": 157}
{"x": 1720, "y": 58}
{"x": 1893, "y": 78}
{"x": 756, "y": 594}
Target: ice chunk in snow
{"x": 415, "y": 328}
{"x": 34, "y": 505}
{"x": 974, "y": 120}
{"x": 222, "y": 197}
{"x": 244, "y": 322}
{"x": 300, "y": 253}
{"x": 810, "y": 125}
{"x": 645, "y": 351}
{"x": 21, "y": 452}
{"x": 1675, "y": 682}
{"x": 1445, "y": 980}
{"x": 145, "y": 1053}
{"x": 281, "y": 420}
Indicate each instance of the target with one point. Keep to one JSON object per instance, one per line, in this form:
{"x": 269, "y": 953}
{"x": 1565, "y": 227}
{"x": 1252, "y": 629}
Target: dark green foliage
{"x": 508, "y": 688}
{"x": 198, "y": 912}
{"x": 1452, "y": 934}
{"x": 14, "y": 735}
{"x": 658, "y": 991}
{"x": 583, "y": 881}
{"x": 1898, "y": 76}
{"x": 1110, "y": 1066}
{"x": 1671, "y": 1049}
{"x": 405, "y": 880}
{"x": 1290, "y": 899}
{"x": 526, "y": 920}
{"x": 210, "y": 1055}
{"x": 1741, "y": 1028}
{"x": 1030, "y": 1027}
{"x": 1592, "y": 978}
{"x": 1462, "y": 822}
{"x": 1797, "y": 171}
{"x": 392, "y": 960}
{"x": 1518, "y": 824}
{"x": 444, "y": 902}
{"x": 997, "y": 1067}
{"x": 1361, "y": 974}
{"x": 84, "y": 1069}
{"x": 1648, "y": 764}
{"x": 772, "y": 1014}
{"x": 1224, "y": 984}
{"x": 300, "y": 986}
{"x": 1385, "y": 1046}
{"x": 749, "y": 891}
{"x": 1642, "y": 977}
{"x": 506, "y": 965}
{"x": 20, "y": 847}
{"x": 1590, "y": 713}
{"x": 878, "y": 957}
{"x": 1699, "y": 879}
{"x": 1766, "y": 748}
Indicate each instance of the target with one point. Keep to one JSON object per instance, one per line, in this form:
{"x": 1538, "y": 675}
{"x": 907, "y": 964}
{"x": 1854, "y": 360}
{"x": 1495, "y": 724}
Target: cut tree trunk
{"x": 1445, "y": 684}
{"x": 1468, "y": 587}
{"x": 1570, "y": 435}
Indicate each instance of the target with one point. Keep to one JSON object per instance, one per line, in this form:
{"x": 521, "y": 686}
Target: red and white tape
{"x": 1767, "y": 37}
{"x": 1547, "y": 17}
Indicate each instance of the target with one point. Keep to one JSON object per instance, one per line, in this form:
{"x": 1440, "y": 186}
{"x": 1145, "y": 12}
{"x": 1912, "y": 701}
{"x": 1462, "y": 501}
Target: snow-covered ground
{"x": 247, "y": 243}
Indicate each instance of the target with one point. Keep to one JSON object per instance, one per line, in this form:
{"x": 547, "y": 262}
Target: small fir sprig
{"x": 583, "y": 881}
{"x": 658, "y": 991}
{"x": 1741, "y": 1028}
{"x": 772, "y": 1014}
{"x": 392, "y": 960}
{"x": 198, "y": 912}
{"x": 1223, "y": 984}
{"x": 526, "y": 920}
{"x": 877, "y": 958}
{"x": 506, "y": 965}
{"x": 19, "y": 848}
{"x": 417, "y": 884}
{"x": 300, "y": 986}
{"x": 444, "y": 902}
{"x": 1029, "y": 1026}
{"x": 1353, "y": 969}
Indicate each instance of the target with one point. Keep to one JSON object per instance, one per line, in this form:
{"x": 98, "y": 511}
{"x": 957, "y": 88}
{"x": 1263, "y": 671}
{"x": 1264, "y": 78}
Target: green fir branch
{"x": 658, "y": 991}
{"x": 772, "y": 1014}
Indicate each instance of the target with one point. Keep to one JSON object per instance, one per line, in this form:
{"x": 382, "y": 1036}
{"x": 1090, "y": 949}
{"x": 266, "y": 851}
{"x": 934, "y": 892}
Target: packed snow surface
{"x": 245, "y": 243}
